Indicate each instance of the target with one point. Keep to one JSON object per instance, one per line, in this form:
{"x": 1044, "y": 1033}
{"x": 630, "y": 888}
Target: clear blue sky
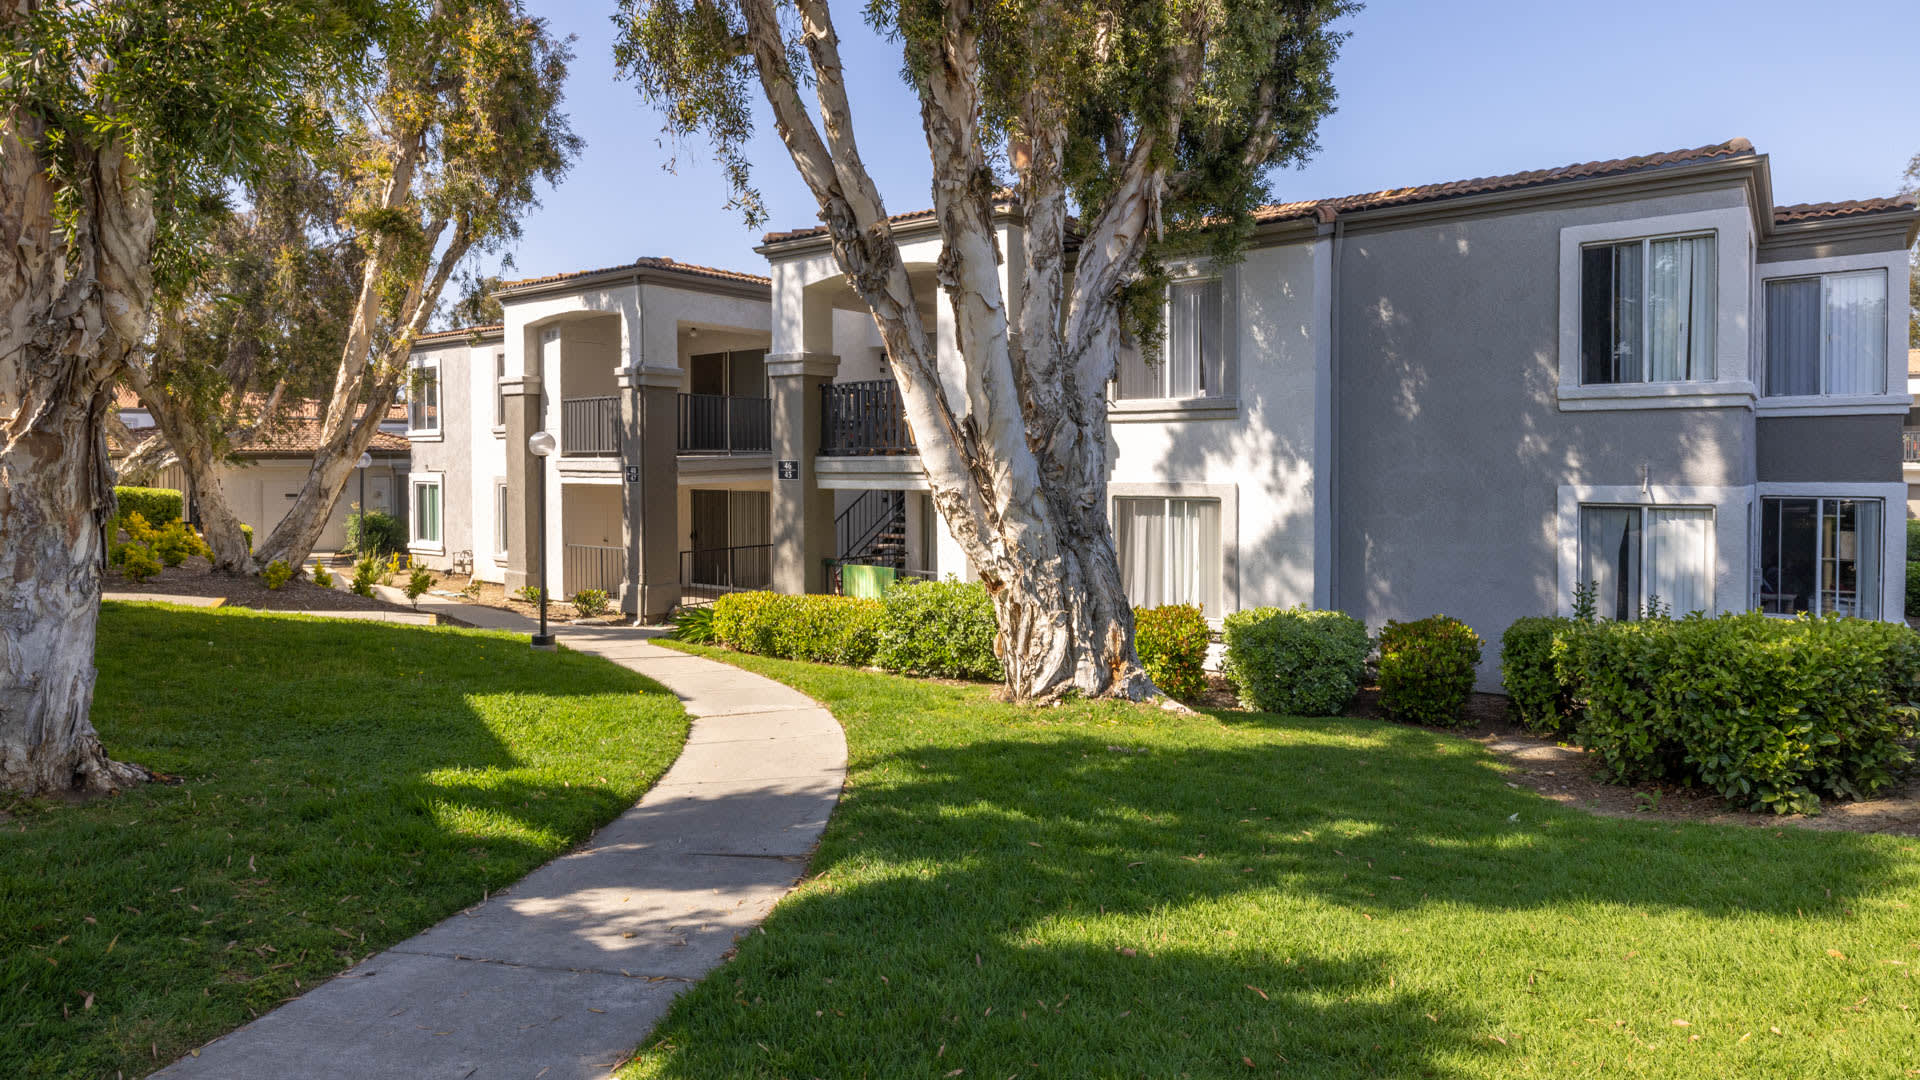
{"x": 1428, "y": 92}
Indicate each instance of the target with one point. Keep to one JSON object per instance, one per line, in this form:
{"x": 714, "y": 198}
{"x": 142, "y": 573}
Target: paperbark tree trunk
{"x": 72, "y": 305}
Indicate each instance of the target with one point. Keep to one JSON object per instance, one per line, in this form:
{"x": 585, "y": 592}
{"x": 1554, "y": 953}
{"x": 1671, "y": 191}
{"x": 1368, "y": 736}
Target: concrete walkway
{"x": 560, "y": 976}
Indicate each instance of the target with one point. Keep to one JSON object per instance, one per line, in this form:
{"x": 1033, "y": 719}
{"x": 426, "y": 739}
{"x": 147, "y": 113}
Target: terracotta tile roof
{"x": 301, "y": 435}
{"x": 459, "y": 332}
{"x": 649, "y": 262}
{"x": 1783, "y": 215}
{"x": 1375, "y": 200}
{"x": 1003, "y": 200}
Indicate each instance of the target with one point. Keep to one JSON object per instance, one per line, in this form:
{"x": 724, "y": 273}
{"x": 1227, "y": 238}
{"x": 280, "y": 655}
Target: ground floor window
{"x": 1169, "y": 551}
{"x": 1638, "y": 558}
{"x": 500, "y": 517}
{"x": 426, "y": 510}
{"x": 1820, "y": 556}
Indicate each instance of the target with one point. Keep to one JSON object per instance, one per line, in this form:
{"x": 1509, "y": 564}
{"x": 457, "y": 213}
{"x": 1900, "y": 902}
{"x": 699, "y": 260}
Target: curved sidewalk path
{"x": 561, "y": 975}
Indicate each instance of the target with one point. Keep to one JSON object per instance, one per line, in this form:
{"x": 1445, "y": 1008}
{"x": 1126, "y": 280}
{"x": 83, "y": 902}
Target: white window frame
{"x": 1732, "y": 384}
{"x": 1228, "y": 496}
{"x": 1893, "y": 544}
{"x": 500, "y": 393}
{"x": 1225, "y": 404}
{"x": 1895, "y": 399}
{"x": 416, "y": 542}
{"x": 1728, "y": 561}
{"x": 502, "y": 496}
{"x": 1646, "y": 591}
{"x": 427, "y": 434}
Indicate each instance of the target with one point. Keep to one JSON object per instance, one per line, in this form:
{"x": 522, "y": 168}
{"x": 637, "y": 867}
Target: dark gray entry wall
{"x": 1450, "y": 444}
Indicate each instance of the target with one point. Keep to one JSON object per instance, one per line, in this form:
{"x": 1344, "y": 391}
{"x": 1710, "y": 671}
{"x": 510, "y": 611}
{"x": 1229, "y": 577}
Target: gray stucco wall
{"x": 1829, "y": 449}
{"x": 1451, "y": 447}
{"x": 452, "y": 455}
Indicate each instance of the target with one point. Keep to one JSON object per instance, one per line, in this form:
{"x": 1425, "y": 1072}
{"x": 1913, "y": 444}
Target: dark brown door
{"x": 709, "y": 537}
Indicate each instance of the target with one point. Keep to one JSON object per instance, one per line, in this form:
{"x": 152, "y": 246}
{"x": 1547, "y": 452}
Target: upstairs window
{"x": 423, "y": 399}
{"x": 1827, "y": 334}
{"x": 1192, "y": 362}
{"x": 500, "y": 389}
{"x": 1647, "y": 310}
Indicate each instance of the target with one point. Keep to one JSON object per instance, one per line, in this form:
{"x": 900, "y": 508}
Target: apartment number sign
{"x": 789, "y": 470}
{"x": 633, "y": 474}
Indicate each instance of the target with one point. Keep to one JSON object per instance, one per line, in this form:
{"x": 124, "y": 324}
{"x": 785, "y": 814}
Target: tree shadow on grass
{"x": 342, "y": 786}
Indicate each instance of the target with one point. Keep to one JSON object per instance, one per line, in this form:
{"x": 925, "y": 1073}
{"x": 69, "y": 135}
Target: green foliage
{"x": 137, "y": 562}
{"x": 1535, "y": 695}
{"x": 419, "y": 580}
{"x": 277, "y": 573}
{"x": 1913, "y": 536}
{"x": 158, "y": 506}
{"x": 247, "y": 532}
{"x": 1770, "y": 713}
{"x": 529, "y": 593}
{"x": 823, "y": 629}
{"x": 591, "y": 602}
{"x": 173, "y": 543}
{"x": 940, "y": 628}
{"x": 694, "y": 625}
{"x": 322, "y": 578}
{"x": 374, "y": 532}
{"x": 1295, "y": 661}
{"x": 136, "y": 527}
{"x": 366, "y": 574}
{"x": 1427, "y": 668}
{"x": 1913, "y": 590}
{"x": 1172, "y": 643}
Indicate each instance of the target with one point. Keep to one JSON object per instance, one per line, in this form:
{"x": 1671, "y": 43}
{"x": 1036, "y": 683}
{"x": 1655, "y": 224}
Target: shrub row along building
{"x": 1464, "y": 397}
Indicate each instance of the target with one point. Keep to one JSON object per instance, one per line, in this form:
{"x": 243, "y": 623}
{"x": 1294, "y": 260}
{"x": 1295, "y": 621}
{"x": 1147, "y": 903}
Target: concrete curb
{"x": 562, "y": 974}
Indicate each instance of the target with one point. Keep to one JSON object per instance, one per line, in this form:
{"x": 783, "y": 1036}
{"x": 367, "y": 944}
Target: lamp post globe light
{"x": 366, "y": 460}
{"x": 541, "y": 444}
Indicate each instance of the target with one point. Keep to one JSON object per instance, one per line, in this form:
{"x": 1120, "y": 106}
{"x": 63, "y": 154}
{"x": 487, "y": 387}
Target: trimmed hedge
{"x": 945, "y": 629}
{"x": 1536, "y": 697}
{"x": 1296, "y": 661}
{"x": 159, "y": 506}
{"x": 1172, "y": 643}
{"x": 1770, "y": 713}
{"x": 824, "y": 629}
{"x": 1913, "y": 589}
{"x": 1427, "y": 668}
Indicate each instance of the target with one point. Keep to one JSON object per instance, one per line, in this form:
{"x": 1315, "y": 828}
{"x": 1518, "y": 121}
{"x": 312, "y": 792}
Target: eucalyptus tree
{"x": 1124, "y": 130}
{"x": 124, "y": 124}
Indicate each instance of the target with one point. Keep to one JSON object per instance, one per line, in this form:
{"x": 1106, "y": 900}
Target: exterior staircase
{"x": 873, "y": 530}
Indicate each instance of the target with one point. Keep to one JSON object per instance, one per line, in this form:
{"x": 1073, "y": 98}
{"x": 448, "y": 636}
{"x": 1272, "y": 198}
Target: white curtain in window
{"x": 1193, "y": 554}
{"x": 1610, "y": 558}
{"x": 1628, "y": 262}
{"x": 1680, "y": 303}
{"x": 1139, "y": 528}
{"x": 1856, "y": 333}
{"x": 1793, "y": 336}
{"x": 1137, "y": 379}
{"x": 1186, "y": 334}
{"x": 1679, "y": 559}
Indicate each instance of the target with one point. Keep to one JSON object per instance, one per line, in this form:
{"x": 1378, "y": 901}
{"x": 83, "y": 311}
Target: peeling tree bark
{"x": 72, "y": 306}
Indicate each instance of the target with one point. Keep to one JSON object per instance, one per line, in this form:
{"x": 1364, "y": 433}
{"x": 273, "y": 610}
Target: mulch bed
{"x": 196, "y": 577}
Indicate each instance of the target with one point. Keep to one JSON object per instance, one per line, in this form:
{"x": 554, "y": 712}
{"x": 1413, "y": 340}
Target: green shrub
{"x": 591, "y": 603}
{"x": 529, "y": 593}
{"x": 246, "y": 531}
{"x": 1913, "y": 540}
{"x": 1295, "y": 661}
{"x": 1172, "y": 643}
{"x": 174, "y": 543}
{"x": 137, "y": 562}
{"x": 1427, "y": 668}
{"x": 419, "y": 580}
{"x": 366, "y": 574}
{"x": 322, "y": 578}
{"x": 940, "y": 628}
{"x": 159, "y": 506}
{"x": 374, "y": 532}
{"x": 824, "y": 629}
{"x": 1536, "y": 697}
{"x": 1913, "y": 590}
{"x": 693, "y": 625}
{"x": 1770, "y": 713}
{"x": 136, "y": 527}
{"x": 277, "y": 573}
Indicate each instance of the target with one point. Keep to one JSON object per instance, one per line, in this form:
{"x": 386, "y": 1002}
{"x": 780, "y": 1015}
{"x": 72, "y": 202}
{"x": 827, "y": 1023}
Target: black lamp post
{"x": 541, "y": 445}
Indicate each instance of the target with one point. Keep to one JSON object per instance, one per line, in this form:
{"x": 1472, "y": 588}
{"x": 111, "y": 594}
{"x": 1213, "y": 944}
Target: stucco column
{"x": 802, "y": 511}
{"x": 523, "y": 471}
{"x": 650, "y": 484}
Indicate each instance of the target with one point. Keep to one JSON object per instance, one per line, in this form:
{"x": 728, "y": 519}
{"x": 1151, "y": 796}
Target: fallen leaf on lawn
{"x": 956, "y": 1072}
{"x": 1131, "y": 865}
{"x": 1498, "y": 1039}
{"x": 1836, "y": 954}
{"x": 87, "y": 1004}
{"x": 1124, "y": 951}
{"x": 1257, "y": 990}
{"x": 1682, "y": 1023}
{"x": 1247, "y": 1061}
{"x": 1775, "y": 1030}
{"x": 1031, "y": 843}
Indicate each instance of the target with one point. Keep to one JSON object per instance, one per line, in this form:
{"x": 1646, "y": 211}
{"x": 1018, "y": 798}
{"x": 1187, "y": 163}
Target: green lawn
{"x": 1103, "y": 890}
{"x": 344, "y": 785}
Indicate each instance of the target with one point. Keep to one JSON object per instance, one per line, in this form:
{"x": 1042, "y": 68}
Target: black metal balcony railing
{"x": 708, "y": 573}
{"x": 1910, "y": 445}
{"x": 593, "y": 566}
{"x": 590, "y": 426}
{"x": 725, "y": 424}
{"x": 863, "y": 418}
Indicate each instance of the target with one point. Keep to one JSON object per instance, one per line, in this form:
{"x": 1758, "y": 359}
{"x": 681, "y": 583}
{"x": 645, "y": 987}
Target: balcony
{"x": 725, "y": 424}
{"x": 864, "y": 418}
{"x": 590, "y": 427}
{"x": 1910, "y": 445}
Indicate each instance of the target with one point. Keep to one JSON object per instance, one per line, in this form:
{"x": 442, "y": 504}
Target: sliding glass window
{"x": 1647, "y": 310}
{"x": 1820, "y": 556}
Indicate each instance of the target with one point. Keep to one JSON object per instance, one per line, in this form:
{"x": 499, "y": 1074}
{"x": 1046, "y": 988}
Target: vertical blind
{"x": 1680, "y": 309}
{"x": 1827, "y": 335}
{"x": 1169, "y": 551}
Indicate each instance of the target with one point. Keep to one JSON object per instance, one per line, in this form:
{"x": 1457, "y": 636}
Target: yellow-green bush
{"x": 1426, "y": 669}
{"x": 1770, "y": 713}
{"x": 945, "y": 629}
{"x": 824, "y": 629}
{"x": 277, "y": 573}
{"x": 1172, "y": 643}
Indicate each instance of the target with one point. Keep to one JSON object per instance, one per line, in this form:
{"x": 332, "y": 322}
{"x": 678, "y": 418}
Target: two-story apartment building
{"x": 1468, "y": 398}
